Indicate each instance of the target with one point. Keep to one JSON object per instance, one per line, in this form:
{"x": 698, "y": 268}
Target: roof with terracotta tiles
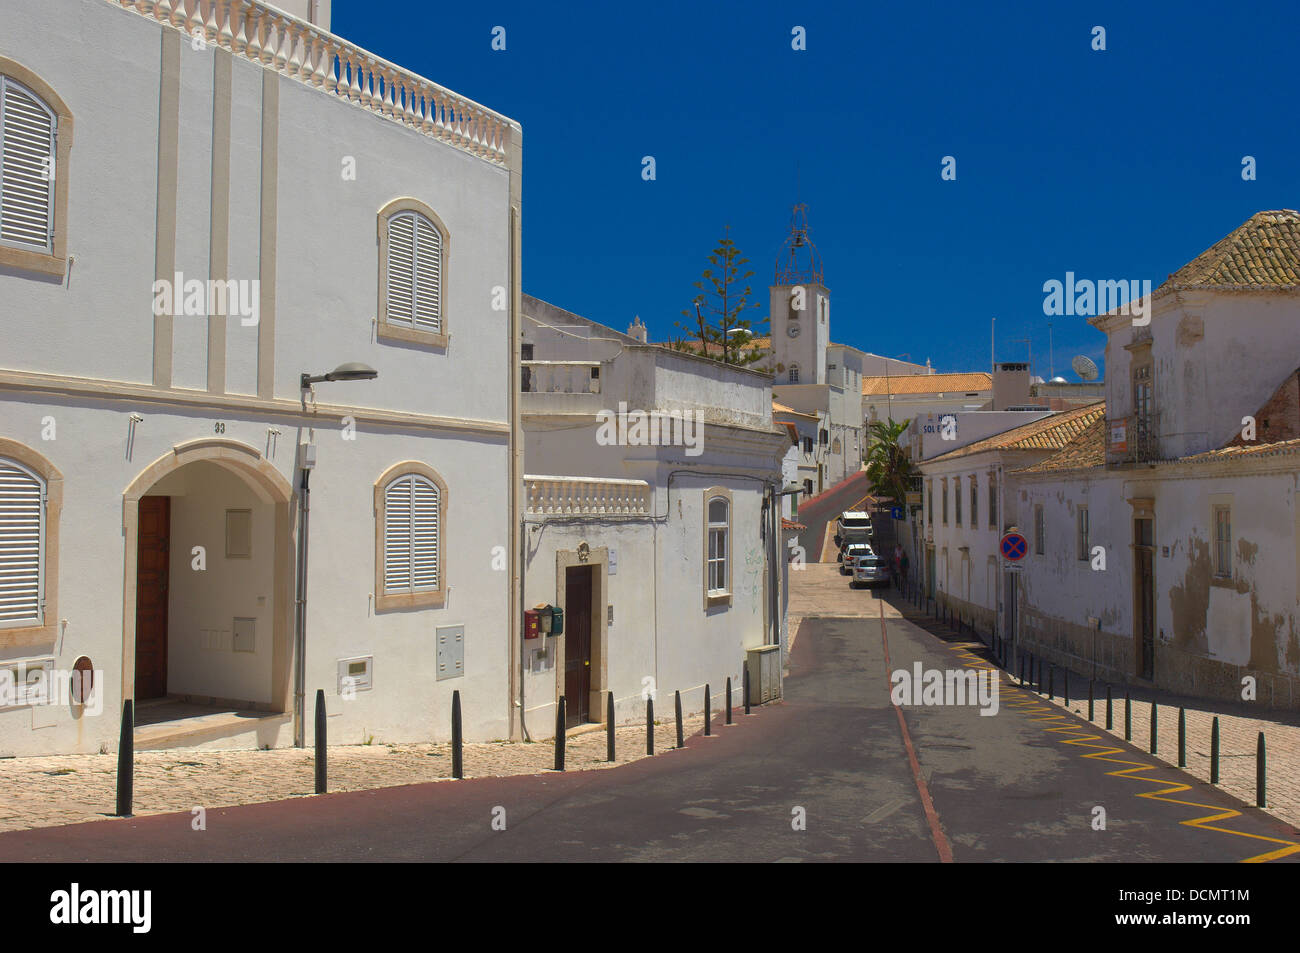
{"x": 1263, "y": 253}
{"x": 780, "y": 408}
{"x": 1047, "y": 433}
{"x": 1237, "y": 451}
{"x": 1084, "y": 450}
{"x": 926, "y": 384}
{"x": 791, "y": 524}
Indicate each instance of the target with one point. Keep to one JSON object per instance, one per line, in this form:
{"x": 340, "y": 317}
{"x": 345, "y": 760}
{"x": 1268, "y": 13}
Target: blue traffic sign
{"x": 896, "y": 512}
{"x": 1014, "y": 547}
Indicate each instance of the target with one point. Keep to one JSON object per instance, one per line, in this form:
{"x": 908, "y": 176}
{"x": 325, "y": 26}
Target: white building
{"x": 650, "y": 520}
{"x": 310, "y": 205}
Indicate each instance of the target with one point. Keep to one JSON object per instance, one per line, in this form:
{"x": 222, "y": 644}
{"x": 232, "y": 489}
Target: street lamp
{"x": 351, "y": 371}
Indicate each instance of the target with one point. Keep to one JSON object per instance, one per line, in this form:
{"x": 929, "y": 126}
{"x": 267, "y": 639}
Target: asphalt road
{"x": 827, "y": 509}
{"x": 983, "y": 788}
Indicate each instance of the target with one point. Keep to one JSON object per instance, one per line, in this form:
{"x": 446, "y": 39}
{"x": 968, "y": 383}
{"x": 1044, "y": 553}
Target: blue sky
{"x": 1117, "y": 164}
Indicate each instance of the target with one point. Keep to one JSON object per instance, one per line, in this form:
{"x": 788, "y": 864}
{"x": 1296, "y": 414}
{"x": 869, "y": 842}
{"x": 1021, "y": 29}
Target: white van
{"x": 854, "y": 526}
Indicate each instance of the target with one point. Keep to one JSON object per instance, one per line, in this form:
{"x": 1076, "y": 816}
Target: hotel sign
{"x": 1119, "y": 436}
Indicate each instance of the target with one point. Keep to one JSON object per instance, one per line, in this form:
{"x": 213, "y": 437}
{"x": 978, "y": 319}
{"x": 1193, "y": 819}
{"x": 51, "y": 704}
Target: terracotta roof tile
{"x": 1261, "y": 253}
{"x": 1047, "y": 433}
{"x": 1084, "y": 450}
{"x": 926, "y": 384}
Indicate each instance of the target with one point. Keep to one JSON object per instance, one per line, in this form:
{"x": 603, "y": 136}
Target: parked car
{"x": 854, "y": 526}
{"x": 870, "y": 570}
{"x": 851, "y": 553}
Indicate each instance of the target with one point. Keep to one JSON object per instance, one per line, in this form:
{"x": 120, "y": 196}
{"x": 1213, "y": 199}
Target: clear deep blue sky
{"x": 1117, "y": 164}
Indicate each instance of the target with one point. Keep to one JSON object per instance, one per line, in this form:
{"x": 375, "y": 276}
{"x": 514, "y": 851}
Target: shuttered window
{"x": 411, "y": 535}
{"x": 27, "y": 165}
{"x": 718, "y": 529}
{"x": 22, "y": 545}
{"x": 414, "y": 272}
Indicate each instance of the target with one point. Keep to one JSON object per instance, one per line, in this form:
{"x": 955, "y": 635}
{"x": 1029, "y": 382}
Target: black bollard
{"x": 559, "y": 735}
{"x": 1128, "y": 718}
{"x": 678, "y": 702}
{"x": 320, "y": 741}
{"x": 1110, "y": 721}
{"x": 1182, "y": 737}
{"x": 1022, "y": 669}
{"x": 728, "y": 699}
{"x": 1065, "y": 690}
{"x": 609, "y": 726}
{"x": 745, "y": 687}
{"x": 1091, "y": 691}
{"x": 708, "y": 712}
{"x": 1051, "y": 681}
{"x": 1260, "y": 762}
{"x": 1154, "y": 723}
{"x": 1214, "y": 751}
{"x": 126, "y": 760}
{"x": 457, "y": 738}
{"x": 650, "y": 726}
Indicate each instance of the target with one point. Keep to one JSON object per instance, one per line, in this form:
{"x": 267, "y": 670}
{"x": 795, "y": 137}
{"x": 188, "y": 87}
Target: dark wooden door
{"x": 577, "y": 643}
{"x": 151, "y": 597}
{"x": 1145, "y": 595}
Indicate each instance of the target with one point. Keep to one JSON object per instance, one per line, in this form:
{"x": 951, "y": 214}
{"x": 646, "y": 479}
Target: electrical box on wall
{"x": 356, "y": 674}
{"x": 451, "y": 651}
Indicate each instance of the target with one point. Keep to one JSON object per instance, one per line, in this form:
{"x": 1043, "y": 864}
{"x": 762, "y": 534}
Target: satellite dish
{"x": 1085, "y": 367}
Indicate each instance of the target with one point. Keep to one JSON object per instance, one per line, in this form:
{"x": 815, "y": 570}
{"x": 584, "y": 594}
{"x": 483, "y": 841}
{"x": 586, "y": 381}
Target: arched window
{"x": 412, "y": 273}
{"x": 794, "y": 373}
{"x": 35, "y": 140}
{"x": 410, "y": 503}
{"x": 717, "y": 547}
{"x": 31, "y": 495}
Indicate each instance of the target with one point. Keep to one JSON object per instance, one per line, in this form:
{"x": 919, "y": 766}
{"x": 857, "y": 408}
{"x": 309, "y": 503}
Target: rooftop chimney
{"x": 1010, "y": 384}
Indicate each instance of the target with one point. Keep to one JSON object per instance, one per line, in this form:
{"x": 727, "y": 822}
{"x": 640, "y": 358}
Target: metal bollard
{"x": 708, "y": 712}
{"x": 126, "y": 760}
{"x": 728, "y": 699}
{"x": 1214, "y": 751}
{"x": 745, "y": 687}
{"x": 320, "y": 741}
{"x": 1110, "y": 721}
{"x": 559, "y": 735}
{"x": 1128, "y": 718}
{"x": 1182, "y": 737}
{"x": 1154, "y": 723}
{"x": 457, "y": 738}
{"x": 1092, "y": 688}
{"x": 1260, "y": 762}
{"x": 609, "y": 726}
{"x": 650, "y": 726}
{"x": 1065, "y": 691}
{"x": 677, "y": 700}
{"x": 1051, "y": 681}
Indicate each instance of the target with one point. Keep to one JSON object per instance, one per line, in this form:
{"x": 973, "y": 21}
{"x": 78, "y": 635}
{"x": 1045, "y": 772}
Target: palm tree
{"x": 889, "y": 471}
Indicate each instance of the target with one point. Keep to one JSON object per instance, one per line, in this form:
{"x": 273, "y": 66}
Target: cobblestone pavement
{"x": 71, "y": 789}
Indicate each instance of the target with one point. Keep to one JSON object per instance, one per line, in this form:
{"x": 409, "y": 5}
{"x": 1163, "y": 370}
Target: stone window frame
{"x": 993, "y": 500}
{"x": 1222, "y": 548}
{"x": 1083, "y": 532}
{"x": 46, "y": 632}
{"x": 713, "y": 597}
{"x": 425, "y": 598}
{"x": 974, "y": 501}
{"x": 956, "y": 501}
{"x": 384, "y": 331}
{"x": 55, "y": 261}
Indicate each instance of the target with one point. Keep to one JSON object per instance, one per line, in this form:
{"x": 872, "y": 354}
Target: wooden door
{"x": 151, "y": 597}
{"x": 577, "y": 643}
{"x": 1144, "y": 584}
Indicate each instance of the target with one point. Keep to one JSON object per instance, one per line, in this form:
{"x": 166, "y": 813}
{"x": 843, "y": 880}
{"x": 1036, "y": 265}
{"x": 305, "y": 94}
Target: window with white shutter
{"x": 717, "y": 547}
{"x": 410, "y": 501}
{"x": 27, "y": 168}
{"x": 22, "y": 545}
{"x": 413, "y": 254}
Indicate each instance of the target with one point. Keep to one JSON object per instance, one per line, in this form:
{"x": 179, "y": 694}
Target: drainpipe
{"x": 300, "y": 634}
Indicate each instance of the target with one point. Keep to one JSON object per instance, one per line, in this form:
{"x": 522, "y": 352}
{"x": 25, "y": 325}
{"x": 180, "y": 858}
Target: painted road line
{"x": 931, "y": 815}
{"x": 1042, "y": 711}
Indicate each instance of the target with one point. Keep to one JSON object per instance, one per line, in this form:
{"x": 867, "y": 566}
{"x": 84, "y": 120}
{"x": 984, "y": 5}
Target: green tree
{"x": 720, "y": 329}
{"x": 889, "y": 471}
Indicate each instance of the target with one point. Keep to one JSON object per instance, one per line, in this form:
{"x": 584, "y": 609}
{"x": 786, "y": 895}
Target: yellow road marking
{"x": 1029, "y": 702}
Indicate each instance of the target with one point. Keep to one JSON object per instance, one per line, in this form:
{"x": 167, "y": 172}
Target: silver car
{"x": 870, "y": 570}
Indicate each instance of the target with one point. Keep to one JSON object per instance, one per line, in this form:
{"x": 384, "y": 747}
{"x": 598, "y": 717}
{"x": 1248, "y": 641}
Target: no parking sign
{"x": 1014, "y": 547}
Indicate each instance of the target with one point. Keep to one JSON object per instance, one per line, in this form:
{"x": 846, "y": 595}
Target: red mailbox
{"x": 532, "y": 623}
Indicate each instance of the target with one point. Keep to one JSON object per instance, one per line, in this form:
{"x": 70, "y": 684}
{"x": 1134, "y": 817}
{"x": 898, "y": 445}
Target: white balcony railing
{"x": 585, "y": 496}
{"x": 297, "y": 49}
{"x": 561, "y": 377}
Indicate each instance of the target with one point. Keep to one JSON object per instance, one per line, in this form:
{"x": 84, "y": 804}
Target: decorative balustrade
{"x": 312, "y": 56}
{"x": 561, "y": 377}
{"x": 585, "y": 496}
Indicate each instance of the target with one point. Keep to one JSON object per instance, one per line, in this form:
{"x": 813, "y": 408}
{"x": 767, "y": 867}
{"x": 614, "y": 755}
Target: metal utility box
{"x": 451, "y": 651}
{"x": 764, "y": 665}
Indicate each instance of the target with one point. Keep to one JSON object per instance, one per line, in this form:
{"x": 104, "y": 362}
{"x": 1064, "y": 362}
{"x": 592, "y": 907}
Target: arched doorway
{"x": 208, "y": 602}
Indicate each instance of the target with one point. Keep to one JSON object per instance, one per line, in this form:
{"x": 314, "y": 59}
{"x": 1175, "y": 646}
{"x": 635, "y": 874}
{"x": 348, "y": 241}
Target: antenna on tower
{"x": 793, "y": 268}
